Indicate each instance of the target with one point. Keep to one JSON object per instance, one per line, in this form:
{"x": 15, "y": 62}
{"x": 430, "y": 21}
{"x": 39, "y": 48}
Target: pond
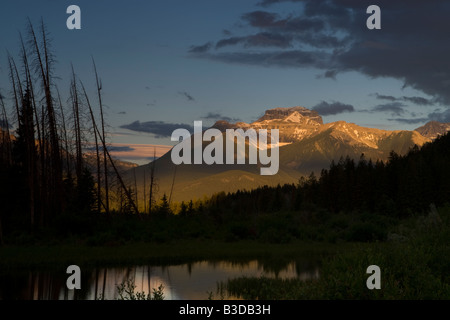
{"x": 190, "y": 281}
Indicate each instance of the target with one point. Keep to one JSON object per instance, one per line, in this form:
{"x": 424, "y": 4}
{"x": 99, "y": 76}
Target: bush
{"x": 365, "y": 232}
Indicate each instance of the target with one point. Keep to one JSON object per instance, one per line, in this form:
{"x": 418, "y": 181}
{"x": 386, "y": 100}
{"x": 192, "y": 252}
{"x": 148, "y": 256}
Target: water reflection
{"x": 187, "y": 282}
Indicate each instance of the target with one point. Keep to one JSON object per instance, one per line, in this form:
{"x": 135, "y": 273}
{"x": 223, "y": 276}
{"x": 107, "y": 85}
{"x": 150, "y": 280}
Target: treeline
{"x": 401, "y": 187}
{"x": 43, "y": 141}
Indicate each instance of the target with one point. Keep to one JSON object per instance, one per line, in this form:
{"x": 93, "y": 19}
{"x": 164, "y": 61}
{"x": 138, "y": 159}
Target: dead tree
{"x": 66, "y": 153}
{"x": 6, "y": 137}
{"x": 97, "y": 152}
{"x": 135, "y": 187}
{"x": 43, "y": 62}
{"x": 173, "y": 183}
{"x": 105, "y": 164}
{"x": 152, "y": 182}
{"x": 77, "y": 126}
{"x": 105, "y": 149}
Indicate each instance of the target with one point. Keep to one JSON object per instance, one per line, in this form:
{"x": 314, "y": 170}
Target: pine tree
{"x": 164, "y": 207}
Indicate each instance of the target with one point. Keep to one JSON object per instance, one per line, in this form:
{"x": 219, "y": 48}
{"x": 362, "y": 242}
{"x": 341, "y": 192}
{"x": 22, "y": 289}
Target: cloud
{"x": 443, "y": 116}
{"x": 266, "y": 3}
{"x": 330, "y": 74}
{"x": 410, "y": 121}
{"x": 419, "y": 101}
{"x": 440, "y": 116}
{"x": 271, "y": 21}
{"x": 143, "y": 153}
{"x": 412, "y": 47}
{"x": 268, "y": 39}
{"x": 201, "y": 49}
{"x": 288, "y": 59}
{"x": 159, "y": 128}
{"x": 415, "y": 100}
{"x": 325, "y": 108}
{"x": 113, "y": 148}
{"x": 395, "y": 108}
{"x": 218, "y": 116}
{"x": 262, "y": 39}
{"x": 263, "y": 19}
{"x": 229, "y": 42}
{"x": 187, "y": 96}
{"x": 383, "y": 97}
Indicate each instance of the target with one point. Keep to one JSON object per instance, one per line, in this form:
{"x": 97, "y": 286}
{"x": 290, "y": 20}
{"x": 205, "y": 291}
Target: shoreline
{"x": 15, "y": 258}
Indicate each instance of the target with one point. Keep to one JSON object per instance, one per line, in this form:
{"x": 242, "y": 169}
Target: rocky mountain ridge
{"x": 306, "y": 145}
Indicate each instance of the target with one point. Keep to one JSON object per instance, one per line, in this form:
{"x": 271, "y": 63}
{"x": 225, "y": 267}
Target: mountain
{"x": 195, "y": 181}
{"x": 433, "y": 129}
{"x": 340, "y": 139}
{"x": 294, "y": 123}
{"x": 90, "y": 161}
{"x": 306, "y": 145}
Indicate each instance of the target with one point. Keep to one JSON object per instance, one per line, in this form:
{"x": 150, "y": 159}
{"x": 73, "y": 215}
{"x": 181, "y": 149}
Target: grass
{"x": 415, "y": 266}
{"x": 127, "y": 291}
{"x": 406, "y": 273}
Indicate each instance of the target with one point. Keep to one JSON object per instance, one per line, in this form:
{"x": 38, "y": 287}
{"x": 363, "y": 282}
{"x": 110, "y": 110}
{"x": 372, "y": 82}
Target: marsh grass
{"x": 415, "y": 268}
{"x": 127, "y": 291}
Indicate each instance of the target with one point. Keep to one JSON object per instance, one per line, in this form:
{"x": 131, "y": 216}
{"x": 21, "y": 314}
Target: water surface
{"x": 185, "y": 281}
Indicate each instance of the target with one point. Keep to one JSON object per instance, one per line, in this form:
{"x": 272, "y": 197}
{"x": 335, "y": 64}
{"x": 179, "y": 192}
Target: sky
{"x": 167, "y": 63}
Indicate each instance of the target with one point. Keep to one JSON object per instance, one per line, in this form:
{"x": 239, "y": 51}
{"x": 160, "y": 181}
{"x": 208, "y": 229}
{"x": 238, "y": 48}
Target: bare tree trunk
{"x": 26, "y": 123}
{"x": 97, "y": 151}
{"x": 66, "y": 142}
{"x": 31, "y": 152}
{"x": 135, "y": 188}
{"x": 76, "y": 112}
{"x": 173, "y": 183}
{"x": 152, "y": 181}
{"x": 99, "y": 185}
{"x": 145, "y": 195}
{"x": 13, "y": 83}
{"x": 127, "y": 193}
{"x": 6, "y": 137}
{"x": 44, "y": 69}
{"x": 36, "y": 184}
{"x": 44, "y": 171}
{"x": 99, "y": 88}
{"x": 28, "y": 75}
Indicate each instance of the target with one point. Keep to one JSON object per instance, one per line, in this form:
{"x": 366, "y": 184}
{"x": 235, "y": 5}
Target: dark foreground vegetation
{"x": 414, "y": 265}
